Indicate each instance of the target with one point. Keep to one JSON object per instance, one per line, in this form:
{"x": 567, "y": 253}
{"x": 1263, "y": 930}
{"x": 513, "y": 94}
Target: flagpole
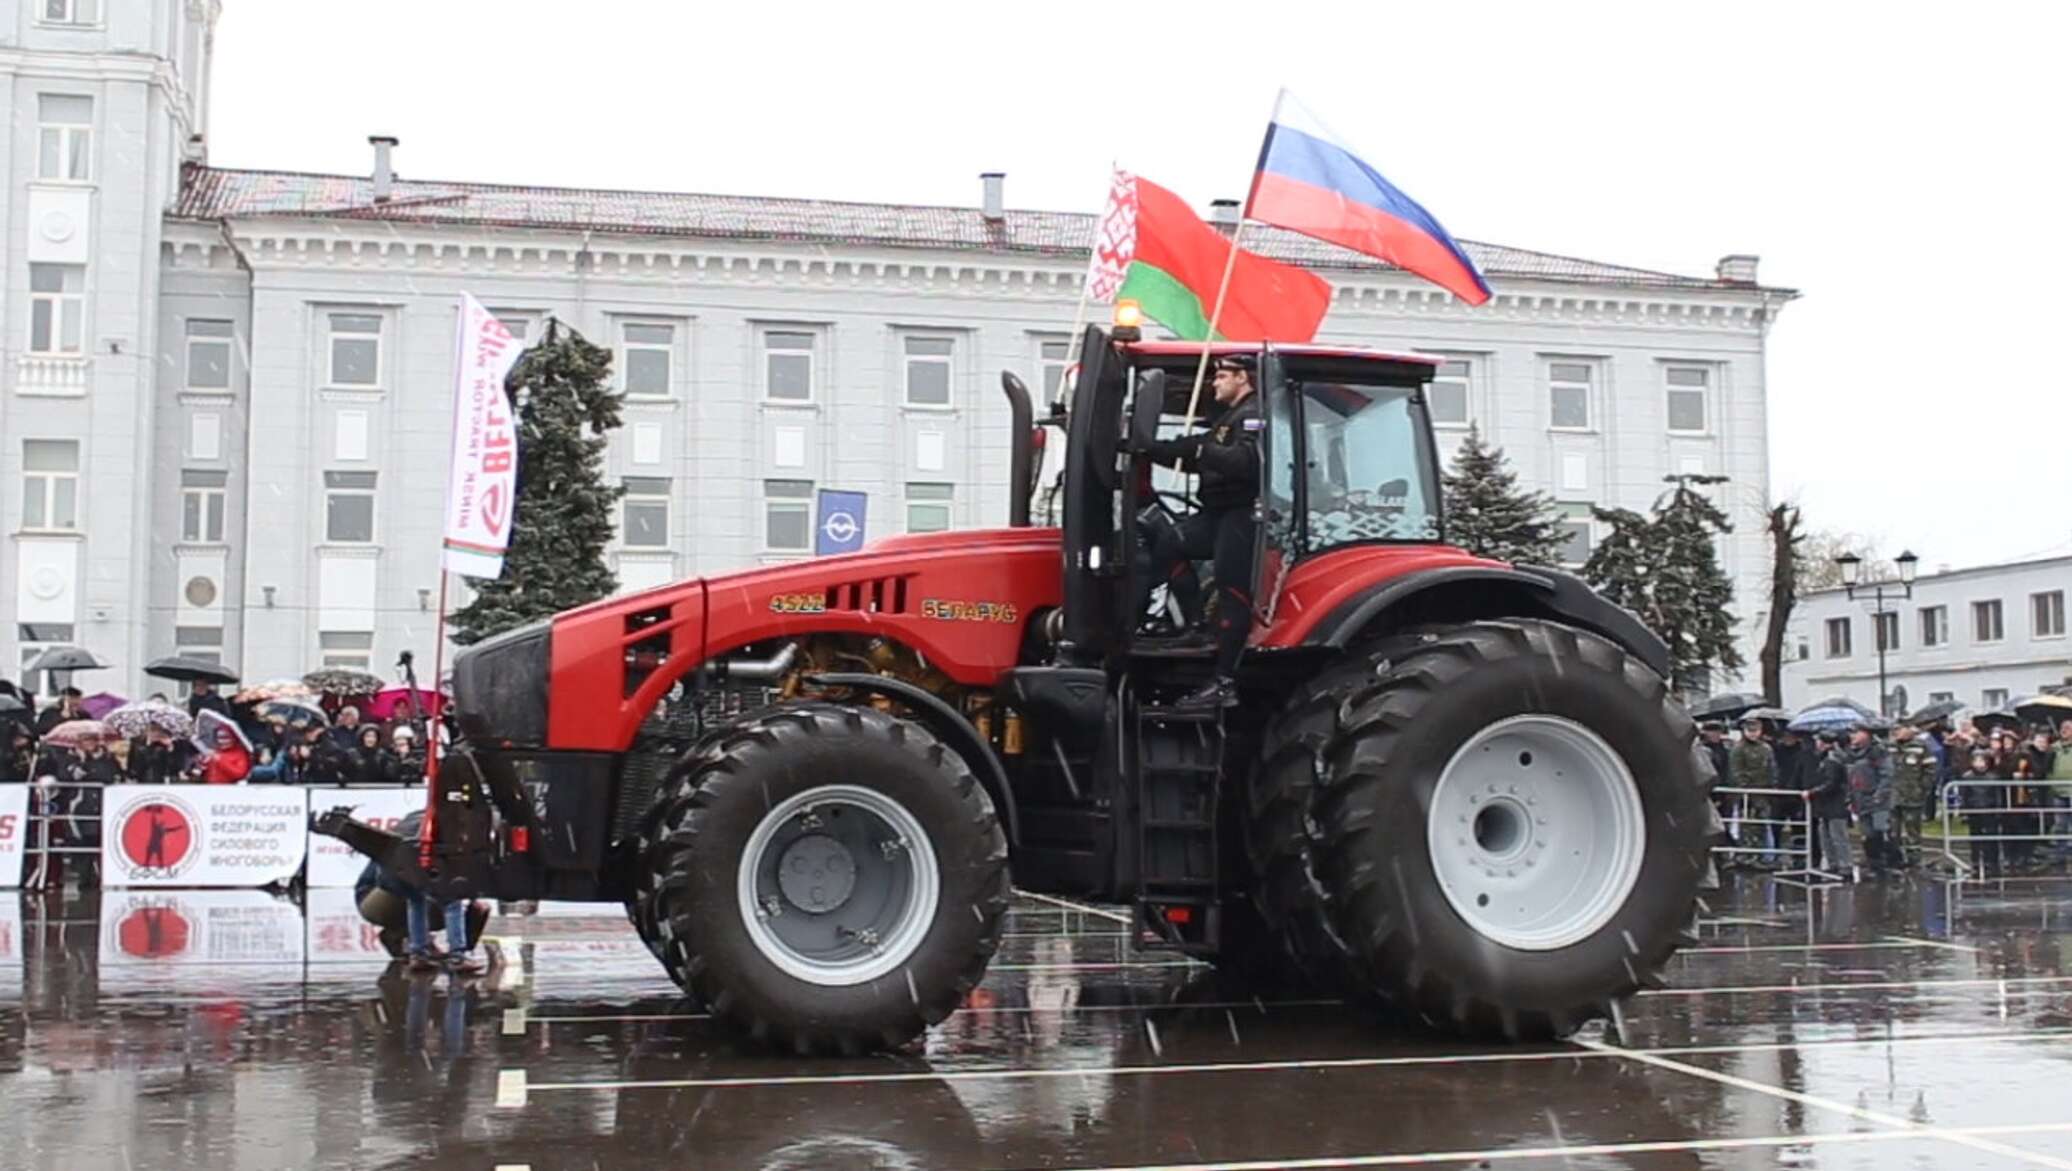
{"x": 1208, "y": 343}
{"x": 426, "y": 839}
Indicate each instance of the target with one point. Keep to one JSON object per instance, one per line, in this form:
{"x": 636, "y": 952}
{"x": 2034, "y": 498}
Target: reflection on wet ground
{"x": 1906, "y": 1025}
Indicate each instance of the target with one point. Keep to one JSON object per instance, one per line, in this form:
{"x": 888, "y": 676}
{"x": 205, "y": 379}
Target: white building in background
{"x": 1977, "y": 636}
{"x": 226, "y": 398}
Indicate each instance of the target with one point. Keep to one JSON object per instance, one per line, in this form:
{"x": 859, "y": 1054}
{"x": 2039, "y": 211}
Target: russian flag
{"x": 1310, "y": 182}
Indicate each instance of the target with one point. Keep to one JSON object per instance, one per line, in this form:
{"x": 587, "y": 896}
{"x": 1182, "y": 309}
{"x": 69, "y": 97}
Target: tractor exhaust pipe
{"x": 762, "y": 670}
{"x": 1021, "y": 449}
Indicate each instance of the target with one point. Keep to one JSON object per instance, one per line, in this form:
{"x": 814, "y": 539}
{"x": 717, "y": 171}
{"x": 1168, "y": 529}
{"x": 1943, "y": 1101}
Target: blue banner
{"x": 840, "y": 522}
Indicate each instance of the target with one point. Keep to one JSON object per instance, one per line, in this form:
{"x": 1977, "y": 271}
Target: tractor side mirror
{"x": 1145, "y": 410}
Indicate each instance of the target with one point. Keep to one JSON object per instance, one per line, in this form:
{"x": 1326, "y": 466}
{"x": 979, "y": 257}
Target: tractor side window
{"x": 1368, "y": 475}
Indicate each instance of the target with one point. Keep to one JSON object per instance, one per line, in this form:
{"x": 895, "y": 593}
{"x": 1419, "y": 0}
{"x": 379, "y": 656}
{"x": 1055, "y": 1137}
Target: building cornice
{"x": 331, "y": 245}
{"x": 100, "y": 68}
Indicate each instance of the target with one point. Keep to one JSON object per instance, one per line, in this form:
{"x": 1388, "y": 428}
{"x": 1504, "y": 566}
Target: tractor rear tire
{"x": 1515, "y": 830}
{"x": 1280, "y": 826}
{"x": 833, "y": 880}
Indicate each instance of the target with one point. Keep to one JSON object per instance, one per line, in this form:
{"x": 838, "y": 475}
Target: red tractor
{"x": 1454, "y": 784}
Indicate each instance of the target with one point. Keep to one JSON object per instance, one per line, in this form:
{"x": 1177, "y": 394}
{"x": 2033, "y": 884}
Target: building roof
{"x": 1964, "y": 573}
{"x": 213, "y": 193}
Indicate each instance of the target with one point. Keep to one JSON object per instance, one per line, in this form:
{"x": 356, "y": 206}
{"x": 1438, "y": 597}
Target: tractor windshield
{"x": 1369, "y": 474}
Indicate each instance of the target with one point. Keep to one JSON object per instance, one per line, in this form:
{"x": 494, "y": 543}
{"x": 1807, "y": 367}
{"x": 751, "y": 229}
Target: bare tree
{"x": 1786, "y": 572}
{"x": 1816, "y": 559}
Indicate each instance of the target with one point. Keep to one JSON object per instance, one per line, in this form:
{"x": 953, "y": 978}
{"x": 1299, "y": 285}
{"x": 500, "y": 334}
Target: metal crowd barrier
{"x": 1805, "y": 873}
{"x": 2008, "y": 815}
{"x": 47, "y": 809}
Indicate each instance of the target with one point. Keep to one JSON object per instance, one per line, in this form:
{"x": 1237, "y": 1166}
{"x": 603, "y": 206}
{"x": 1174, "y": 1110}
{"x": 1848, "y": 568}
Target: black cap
{"x": 1242, "y": 362}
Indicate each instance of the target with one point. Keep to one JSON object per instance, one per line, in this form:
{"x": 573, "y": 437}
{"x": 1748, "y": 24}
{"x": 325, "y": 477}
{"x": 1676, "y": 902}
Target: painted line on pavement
{"x": 1889, "y": 943}
{"x": 511, "y": 1089}
{"x": 1340, "y": 1063}
{"x": 1069, "y": 905}
{"x": 514, "y": 1021}
{"x": 1870, "y": 985}
{"x": 1506, "y": 1154}
{"x": 1874, "y": 1117}
{"x": 1943, "y": 944}
{"x": 1260, "y": 1006}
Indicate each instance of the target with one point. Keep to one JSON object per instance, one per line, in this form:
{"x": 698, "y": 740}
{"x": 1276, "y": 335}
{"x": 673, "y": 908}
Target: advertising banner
{"x": 14, "y": 834}
{"x": 337, "y": 934}
{"x": 202, "y": 835}
{"x": 167, "y": 929}
{"x": 482, "y": 486}
{"x": 332, "y": 863}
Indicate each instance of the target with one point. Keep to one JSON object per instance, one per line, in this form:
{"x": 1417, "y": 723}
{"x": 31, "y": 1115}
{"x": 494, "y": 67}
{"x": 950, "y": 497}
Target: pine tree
{"x": 565, "y": 516}
{"x": 1665, "y": 568}
{"x": 1488, "y": 514}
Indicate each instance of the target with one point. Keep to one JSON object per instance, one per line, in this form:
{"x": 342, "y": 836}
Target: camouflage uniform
{"x": 1752, "y": 765}
{"x": 1914, "y": 773}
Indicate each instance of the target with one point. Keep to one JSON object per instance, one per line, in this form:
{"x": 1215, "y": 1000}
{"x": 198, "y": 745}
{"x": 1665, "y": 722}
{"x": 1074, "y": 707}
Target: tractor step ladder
{"x": 1179, "y": 759}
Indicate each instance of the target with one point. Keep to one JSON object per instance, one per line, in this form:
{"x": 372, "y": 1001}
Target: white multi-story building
{"x": 227, "y": 392}
{"x": 1978, "y": 636}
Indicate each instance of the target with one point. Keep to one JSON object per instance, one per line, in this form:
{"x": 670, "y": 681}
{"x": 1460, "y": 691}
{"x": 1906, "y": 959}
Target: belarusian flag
{"x": 1150, "y": 247}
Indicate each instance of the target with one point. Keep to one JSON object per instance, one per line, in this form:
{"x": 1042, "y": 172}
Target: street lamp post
{"x": 1852, "y": 579}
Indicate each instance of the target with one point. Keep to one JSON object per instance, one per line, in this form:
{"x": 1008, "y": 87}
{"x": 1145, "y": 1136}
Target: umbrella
{"x": 137, "y": 718}
{"x": 99, "y": 704}
{"x": 2043, "y": 709}
{"x": 395, "y": 701}
{"x": 1725, "y": 707}
{"x": 208, "y": 723}
{"x": 73, "y": 733}
{"x": 1773, "y": 715}
{"x": 1830, "y": 717}
{"x": 274, "y": 689}
{"x": 294, "y": 711}
{"x": 1987, "y": 721}
{"x": 9, "y": 703}
{"x": 1941, "y": 709}
{"x": 187, "y": 669}
{"x": 342, "y": 681}
{"x": 1845, "y": 701}
{"x": 64, "y": 658}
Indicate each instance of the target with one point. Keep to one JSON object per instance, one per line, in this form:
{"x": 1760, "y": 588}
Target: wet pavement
{"x": 1907, "y": 1025}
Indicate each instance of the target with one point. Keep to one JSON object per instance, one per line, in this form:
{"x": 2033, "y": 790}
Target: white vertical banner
{"x": 332, "y": 863}
{"x": 482, "y": 485}
{"x": 14, "y": 834}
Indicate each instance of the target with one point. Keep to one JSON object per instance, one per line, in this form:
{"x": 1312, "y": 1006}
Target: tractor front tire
{"x": 1515, "y": 828}
{"x": 832, "y": 881}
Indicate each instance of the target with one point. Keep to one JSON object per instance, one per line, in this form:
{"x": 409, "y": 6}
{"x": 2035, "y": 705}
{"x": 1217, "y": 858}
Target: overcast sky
{"x": 1907, "y": 172}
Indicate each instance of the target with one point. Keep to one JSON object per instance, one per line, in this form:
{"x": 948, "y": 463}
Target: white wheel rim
{"x": 1536, "y": 832}
{"x": 838, "y": 885}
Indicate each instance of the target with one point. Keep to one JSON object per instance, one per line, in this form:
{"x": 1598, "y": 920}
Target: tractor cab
{"x": 1346, "y": 453}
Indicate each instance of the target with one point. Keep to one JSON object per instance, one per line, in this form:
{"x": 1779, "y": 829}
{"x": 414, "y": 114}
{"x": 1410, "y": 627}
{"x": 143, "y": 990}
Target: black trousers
{"x": 1226, "y": 537}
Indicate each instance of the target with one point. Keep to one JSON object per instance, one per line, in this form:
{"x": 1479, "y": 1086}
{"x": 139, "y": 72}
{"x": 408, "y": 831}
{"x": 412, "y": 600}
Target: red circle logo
{"x": 158, "y": 838}
{"x": 154, "y": 933}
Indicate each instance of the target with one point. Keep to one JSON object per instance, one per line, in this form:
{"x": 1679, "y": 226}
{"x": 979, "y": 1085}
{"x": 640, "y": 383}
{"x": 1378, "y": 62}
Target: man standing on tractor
{"x": 1227, "y": 457}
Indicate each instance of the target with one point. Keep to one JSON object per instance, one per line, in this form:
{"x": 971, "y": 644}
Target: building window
{"x": 1839, "y": 639}
{"x": 66, "y": 122}
{"x": 928, "y": 507}
{"x": 201, "y": 505}
{"x": 349, "y": 508}
{"x": 648, "y": 348}
{"x": 1942, "y": 697}
{"x": 208, "y": 355}
{"x": 71, "y": 11}
{"x": 788, "y": 515}
{"x": 1577, "y": 534}
{"x": 1687, "y": 386}
{"x": 1446, "y": 398}
{"x": 2047, "y": 614}
{"x": 346, "y": 648}
{"x": 1935, "y": 625}
{"x": 1568, "y": 389}
{"x": 1886, "y": 625}
{"x": 644, "y": 520}
{"x": 50, "y": 484}
{"x": 1986, "y": 623}
{"x": 788, "y": 366}
{"x": 928, "y": 371}
{"x": 57, "y": 308}
{"x": 355, "y": 350}
{"x": 35, "y": 638}
{"x": 1992, "y": 699}
{"x": 520, "y": 324}
{"x": 1053, "y": 358}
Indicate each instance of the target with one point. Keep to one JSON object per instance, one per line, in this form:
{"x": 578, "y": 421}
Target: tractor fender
{"x": 1535, "y": 592}
{"x": 949, "y": 726}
